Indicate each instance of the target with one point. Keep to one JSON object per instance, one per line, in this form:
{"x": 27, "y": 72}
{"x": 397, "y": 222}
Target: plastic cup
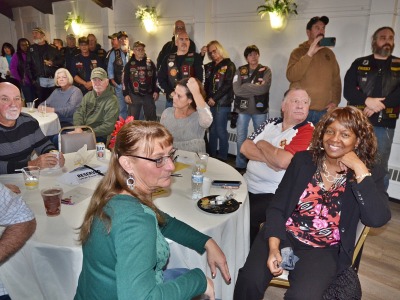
{"x": 206, "y": 186}
{"x": 31, "y": 177}
{"x": 202, "y": 161}
{"x": 52, "y": 200}
{"x": 30, "y": 106}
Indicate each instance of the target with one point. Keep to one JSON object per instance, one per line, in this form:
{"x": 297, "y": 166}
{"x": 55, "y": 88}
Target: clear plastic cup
{"x": 31, "y": 177}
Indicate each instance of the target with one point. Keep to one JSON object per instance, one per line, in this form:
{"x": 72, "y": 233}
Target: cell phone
{"x": 327, "y": 42}
{"x": 226, "y": 183}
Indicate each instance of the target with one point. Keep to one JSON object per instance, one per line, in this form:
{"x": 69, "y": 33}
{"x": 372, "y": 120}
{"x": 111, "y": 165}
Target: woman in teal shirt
{"x": 123, "y": 233}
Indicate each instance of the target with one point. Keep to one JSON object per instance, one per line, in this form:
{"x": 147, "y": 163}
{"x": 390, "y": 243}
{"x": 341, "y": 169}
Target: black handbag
{"x": 346, "y": 286}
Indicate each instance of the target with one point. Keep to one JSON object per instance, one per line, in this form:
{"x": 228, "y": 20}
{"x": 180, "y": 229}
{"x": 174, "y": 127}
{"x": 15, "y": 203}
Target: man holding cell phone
{"x": 313, "y": 67}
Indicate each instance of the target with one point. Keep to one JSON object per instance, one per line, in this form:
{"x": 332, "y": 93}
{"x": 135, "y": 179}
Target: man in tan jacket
{"x": 315, "y": 69}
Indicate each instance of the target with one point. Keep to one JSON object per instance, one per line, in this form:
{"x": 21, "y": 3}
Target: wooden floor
{"x": 380, "y": 264}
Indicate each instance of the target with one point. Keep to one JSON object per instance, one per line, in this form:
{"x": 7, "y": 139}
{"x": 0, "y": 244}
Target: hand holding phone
{"x": 327, "y": 42}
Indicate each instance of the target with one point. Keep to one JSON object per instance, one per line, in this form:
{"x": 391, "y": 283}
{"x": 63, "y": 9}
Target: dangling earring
{"x": 130, "y": 182}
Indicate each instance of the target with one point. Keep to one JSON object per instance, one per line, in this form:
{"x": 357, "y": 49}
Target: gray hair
{"x": 63, "y": 70}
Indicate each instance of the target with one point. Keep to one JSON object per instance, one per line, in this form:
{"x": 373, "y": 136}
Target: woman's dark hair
{"x": 249, "y": 49}
{"x": 8, "y": 45}
{"x": 21, "y": 62}
{"x": 184, "y": 82}
{"x": 353, "y": 119}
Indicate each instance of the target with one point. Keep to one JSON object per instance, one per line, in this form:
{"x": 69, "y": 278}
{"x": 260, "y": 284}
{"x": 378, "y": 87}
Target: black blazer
{"x": 366, "y": 201}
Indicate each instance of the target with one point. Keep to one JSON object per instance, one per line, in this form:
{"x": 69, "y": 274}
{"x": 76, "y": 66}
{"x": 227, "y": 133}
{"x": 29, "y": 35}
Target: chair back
{"x": 68, "y": 143}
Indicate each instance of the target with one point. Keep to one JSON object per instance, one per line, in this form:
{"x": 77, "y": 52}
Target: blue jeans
{"x": 168, "y": 103}
{"x": 314, "y": 116}
{"x": 123, "y": 107}
{"x": 242, "y": 134}
{"x": 171, "y": 274}
{"x": 384, "y": 137}
{"x": 219, "y": 132}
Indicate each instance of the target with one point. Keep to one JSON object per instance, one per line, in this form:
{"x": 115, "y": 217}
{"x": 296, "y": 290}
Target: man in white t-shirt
{"x": 270, "y": 149}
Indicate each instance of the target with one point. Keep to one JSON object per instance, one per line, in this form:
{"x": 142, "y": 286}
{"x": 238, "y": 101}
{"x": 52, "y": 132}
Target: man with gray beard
{"x": 42, "y": 61}
{"x": 373, "y": 85}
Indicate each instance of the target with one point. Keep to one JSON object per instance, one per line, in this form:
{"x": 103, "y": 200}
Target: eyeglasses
{"x": 7, "y": 100}
{"x": 161, "y": 161}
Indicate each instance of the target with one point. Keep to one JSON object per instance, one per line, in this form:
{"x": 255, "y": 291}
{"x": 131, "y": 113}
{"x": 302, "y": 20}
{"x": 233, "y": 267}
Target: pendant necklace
{"x": 329, "y": 177}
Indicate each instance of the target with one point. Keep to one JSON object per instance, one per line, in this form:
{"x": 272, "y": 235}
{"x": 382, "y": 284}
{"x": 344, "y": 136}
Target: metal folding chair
{"x": 68, "y": 143}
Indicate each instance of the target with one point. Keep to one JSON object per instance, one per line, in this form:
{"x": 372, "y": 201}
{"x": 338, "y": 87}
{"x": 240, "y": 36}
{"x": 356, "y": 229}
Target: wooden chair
{"x": 68, "y": 143}
{"x": 361, "y": 235}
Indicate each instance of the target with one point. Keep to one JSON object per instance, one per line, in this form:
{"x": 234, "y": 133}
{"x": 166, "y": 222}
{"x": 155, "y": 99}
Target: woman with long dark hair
{"x": 17, "y": 69}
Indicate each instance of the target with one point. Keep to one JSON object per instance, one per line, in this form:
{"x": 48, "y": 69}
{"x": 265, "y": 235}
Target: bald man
{"x": 20, "y": 135}
{"x": 170, "y": 47}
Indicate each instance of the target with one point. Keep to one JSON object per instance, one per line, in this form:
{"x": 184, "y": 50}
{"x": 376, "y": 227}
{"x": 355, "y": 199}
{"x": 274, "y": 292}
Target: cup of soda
{"x": 52, "y": 200}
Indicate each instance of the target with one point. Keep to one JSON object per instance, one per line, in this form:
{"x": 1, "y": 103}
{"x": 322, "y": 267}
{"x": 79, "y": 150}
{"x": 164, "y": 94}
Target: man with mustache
{"x": 179, "y": 65}
{"x": 315, "y": 69}
{"x": 373, "y": 85}
{"x": 20, "y": 135}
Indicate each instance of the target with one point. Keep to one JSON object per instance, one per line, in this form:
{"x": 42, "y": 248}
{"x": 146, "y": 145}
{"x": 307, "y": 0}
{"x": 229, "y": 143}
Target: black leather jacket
{"x": 362, "y": 79}
{"x": 35, "y": 66}
{"x": 218, "y": 82}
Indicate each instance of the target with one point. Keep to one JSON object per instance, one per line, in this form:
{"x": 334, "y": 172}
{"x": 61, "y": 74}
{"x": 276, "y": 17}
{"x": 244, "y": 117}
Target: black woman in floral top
{"x": 323, "y": 195}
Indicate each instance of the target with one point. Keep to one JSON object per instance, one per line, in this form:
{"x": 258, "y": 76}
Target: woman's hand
{"x": 216, "y": 258}
{"x": 193, "y": 86}
{"x": 351, "y": 161}
{"x": 210, "y": 293}
{"x": 274, "y": 261}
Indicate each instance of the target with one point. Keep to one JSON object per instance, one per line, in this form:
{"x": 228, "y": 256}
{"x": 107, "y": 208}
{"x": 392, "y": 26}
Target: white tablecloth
{"x": 48, "y": 266}
{"x": 50, "y": 124}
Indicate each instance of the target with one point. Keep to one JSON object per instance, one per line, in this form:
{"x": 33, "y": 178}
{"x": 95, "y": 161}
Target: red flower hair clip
{"x": 118, "y": 125}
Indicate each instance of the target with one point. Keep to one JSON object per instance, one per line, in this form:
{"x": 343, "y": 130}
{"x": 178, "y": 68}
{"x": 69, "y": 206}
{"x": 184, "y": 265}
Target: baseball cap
{"x": 138, "y": 44}
{"x": 83, "y": 40}
{"x": 98, "y": 73}
{"x": 121, "y": 34}
{"x": 38, "y": 29}
{"x": 113, "y": 36}
{"x": 323, "y": 19}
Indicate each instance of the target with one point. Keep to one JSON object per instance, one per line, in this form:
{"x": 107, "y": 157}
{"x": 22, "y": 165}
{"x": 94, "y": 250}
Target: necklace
{"x": 329, "y": 177}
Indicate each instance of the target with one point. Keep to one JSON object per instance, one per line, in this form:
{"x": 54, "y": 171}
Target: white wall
{"x": 234, "y": 23}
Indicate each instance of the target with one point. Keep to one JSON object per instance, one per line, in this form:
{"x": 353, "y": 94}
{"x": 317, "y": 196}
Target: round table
{"x": 48, "y": 266}
{"x": 49, "y": 124}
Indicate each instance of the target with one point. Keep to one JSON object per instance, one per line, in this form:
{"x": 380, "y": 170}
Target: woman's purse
{"x": 346, "y": 286}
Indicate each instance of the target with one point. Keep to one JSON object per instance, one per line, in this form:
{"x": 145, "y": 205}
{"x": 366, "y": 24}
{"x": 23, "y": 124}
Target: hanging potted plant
{"x": 148, "y": 17}
{"x": 74, "y": 22}
{"x": 278, "y": 11}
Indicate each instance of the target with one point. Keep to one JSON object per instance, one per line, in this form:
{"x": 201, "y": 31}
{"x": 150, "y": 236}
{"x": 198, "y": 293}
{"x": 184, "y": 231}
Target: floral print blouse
{"x": 315, "y": 220}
